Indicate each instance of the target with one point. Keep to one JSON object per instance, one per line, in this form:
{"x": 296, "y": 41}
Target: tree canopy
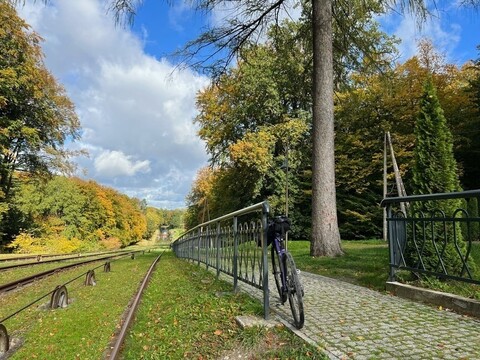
{"x": 371, "y": 104}
{"x": 36, "y": 116}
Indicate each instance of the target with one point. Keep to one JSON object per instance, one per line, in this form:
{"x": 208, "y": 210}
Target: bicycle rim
{"x": 277, "y": 274}
{"x": 295, "y": 292}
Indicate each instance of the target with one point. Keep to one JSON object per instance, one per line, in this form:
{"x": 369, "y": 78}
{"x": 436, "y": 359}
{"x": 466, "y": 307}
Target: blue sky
{"x": 137, "y": 112}
{"x": 454, "y": 29}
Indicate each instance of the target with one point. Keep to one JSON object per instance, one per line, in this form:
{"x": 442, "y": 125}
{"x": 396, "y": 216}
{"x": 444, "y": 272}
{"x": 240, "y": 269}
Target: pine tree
{"x": 435, "y": 168}
{"x": 435, "y": 171}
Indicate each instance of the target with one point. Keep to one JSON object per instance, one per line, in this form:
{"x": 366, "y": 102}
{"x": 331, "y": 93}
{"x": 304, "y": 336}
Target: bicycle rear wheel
{"x": 295, "y": 291}
{"x": 277, "y": 268}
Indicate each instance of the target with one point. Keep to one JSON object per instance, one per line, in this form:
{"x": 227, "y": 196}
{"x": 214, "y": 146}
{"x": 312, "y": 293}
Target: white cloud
{"x": 438, "y": 28}
{"x": 136, "y": 111}
{"x": 116, "y": 163}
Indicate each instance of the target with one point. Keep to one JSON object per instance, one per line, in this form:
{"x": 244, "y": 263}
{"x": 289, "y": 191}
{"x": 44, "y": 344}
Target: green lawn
{"x": 365, "y": 263}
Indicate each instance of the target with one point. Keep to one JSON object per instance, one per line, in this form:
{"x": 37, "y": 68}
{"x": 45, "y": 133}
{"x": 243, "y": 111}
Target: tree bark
{"x": 325, "y": 234}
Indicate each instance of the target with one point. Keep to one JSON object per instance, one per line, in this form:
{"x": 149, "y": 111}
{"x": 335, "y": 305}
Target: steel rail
{"x": 29, "y": 257}
{"x": 26, "y": 280}
{"x": 115, "y": 352}
{"x": 78, "y": 256}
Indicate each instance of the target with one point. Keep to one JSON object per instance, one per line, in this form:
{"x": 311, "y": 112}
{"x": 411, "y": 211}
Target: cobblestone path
{"x": 353, "y": 322}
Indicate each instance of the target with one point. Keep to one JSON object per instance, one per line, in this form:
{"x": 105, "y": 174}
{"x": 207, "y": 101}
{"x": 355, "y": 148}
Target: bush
{"x": 25, "y": 243}
{"x": 111, "y": 243}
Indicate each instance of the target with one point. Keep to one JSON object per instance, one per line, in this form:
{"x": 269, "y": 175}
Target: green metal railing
{"x": 234, "y": 244}
{"x": 434, "y": 235}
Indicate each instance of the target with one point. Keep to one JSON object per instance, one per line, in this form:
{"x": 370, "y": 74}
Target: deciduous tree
{"x": 36, "y": 116}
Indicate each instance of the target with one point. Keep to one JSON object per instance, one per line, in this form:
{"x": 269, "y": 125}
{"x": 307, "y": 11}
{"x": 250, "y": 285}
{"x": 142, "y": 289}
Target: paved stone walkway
{"x": 352, "y": 322}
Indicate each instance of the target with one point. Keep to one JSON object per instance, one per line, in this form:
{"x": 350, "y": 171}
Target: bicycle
{"x": 284, "y": 269}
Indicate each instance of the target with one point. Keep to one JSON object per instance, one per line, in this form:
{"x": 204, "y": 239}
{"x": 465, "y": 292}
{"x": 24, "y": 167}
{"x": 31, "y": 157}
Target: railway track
{"x": 115, "y": 345}
{"x": 26, "y": 280}
{"x": 40, "y": 259}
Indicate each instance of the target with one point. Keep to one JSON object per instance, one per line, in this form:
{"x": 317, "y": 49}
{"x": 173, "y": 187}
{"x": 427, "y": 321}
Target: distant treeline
{"x": 69, "y": 214}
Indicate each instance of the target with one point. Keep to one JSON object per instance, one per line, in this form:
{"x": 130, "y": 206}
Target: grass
{"x": 189, "y": 314}
{"x": 365, "y": 263}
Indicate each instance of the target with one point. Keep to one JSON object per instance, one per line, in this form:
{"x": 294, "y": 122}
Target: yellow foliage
{"x": 53, "y": 244}
{"x": 111, "y": 243}
{"x": 254, "y": 151}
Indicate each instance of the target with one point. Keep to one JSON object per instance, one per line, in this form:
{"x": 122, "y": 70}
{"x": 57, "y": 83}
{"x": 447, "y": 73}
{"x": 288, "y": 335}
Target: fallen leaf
{"x": 218, "y": 332}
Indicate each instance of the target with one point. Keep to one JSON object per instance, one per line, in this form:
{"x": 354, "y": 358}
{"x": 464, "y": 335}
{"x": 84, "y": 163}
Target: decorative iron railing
{"x": 234, "y": 244}
{"x": 435, "y": 235}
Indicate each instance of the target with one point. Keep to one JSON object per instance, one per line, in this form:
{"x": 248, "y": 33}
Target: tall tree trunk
{"x": 325, "y": 235}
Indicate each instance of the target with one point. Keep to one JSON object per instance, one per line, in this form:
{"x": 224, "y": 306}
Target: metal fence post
{"x": 207, "y": 247}
{"x": 217, "y": 241}
{"x": 235, "y": 254}
{"x": 199, "y": 239}
{"x": 391, "y": 245}
{"x": 266, "y": 294}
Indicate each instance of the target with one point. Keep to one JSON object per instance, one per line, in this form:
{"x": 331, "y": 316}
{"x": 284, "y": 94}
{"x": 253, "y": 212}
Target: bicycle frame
{"x": 280, "y": 250}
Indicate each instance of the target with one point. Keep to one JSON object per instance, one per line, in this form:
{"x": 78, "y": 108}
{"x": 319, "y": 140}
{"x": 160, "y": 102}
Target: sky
{"x": 137, "y": 108}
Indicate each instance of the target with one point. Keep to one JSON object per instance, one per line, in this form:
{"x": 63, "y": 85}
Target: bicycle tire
{"x": 277, "y": 271}
{"x": 295, "y": 292}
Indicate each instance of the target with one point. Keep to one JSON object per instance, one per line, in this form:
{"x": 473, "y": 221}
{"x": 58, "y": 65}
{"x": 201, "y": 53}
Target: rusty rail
{"x": 26, "y": 280}
{"x": 77, "y": 256}
{"x": 115, "y": 352}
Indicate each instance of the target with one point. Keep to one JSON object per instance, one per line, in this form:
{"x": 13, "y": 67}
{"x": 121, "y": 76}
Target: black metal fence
{"x": 234, "y": 244}
{"x": 435, "y": 235}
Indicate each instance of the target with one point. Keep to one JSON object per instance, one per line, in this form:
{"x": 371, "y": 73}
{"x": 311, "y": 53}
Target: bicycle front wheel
{"x": 295, "y": 292}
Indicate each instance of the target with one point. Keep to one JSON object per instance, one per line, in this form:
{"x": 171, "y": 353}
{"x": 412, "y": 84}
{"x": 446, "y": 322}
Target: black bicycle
{"x": 284, "y": 269}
